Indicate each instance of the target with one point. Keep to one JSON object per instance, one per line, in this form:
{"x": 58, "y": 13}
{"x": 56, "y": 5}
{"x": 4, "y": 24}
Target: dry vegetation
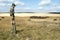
{"x": 31, "y": 29}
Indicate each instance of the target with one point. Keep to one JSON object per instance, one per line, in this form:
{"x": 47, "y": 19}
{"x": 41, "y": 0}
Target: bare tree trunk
{"x": 13, "y": 19}
{"x": 13, "y": 24}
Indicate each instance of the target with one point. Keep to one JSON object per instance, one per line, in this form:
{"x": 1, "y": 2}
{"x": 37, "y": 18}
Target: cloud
{"x": 2, "y": 4}
{"x": 40, "y": 7}
{"x": 53, "y": 7}
{"x": 48, "y": 5}
{"x": 9, "y": 2}
{"x": 26, "y": 8}
{"x": 45, "y": 2}
{"x": 3, "y": 0}
{"x": 19, "y": 3}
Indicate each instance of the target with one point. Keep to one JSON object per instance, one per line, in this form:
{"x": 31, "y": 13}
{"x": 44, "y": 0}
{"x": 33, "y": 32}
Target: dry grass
{"x": 31, "y": 29}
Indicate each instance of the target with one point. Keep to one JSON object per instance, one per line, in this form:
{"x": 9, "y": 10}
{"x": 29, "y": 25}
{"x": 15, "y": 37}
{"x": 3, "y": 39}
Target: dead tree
{"x": 13, "y": 18}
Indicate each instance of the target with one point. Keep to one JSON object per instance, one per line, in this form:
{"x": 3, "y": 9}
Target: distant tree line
{"x": 54, "y": 12}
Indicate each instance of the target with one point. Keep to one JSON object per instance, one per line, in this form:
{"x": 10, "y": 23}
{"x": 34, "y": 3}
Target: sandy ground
{"x": 29, "y": 14}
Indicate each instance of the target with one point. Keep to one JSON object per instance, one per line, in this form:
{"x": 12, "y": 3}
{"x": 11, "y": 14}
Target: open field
{"x": 31, "y": 28}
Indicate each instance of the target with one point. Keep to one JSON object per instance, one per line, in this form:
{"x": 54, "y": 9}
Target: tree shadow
{"x": 0, "y": 19}
{"x": 18, "y": 31}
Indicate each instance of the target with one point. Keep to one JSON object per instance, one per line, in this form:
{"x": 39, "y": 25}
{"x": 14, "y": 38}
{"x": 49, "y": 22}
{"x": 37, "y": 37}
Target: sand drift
{"x": 29, "y": 14}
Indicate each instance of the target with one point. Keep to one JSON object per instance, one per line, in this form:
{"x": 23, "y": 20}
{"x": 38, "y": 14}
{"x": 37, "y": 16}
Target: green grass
{"x": 30, "y": 30}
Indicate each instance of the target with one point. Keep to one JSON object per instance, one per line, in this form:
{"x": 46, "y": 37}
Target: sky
{"x": 31, "y": 5}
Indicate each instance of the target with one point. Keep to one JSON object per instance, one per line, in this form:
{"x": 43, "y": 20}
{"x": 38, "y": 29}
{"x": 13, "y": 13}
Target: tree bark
{"x": 13, "y": 19}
